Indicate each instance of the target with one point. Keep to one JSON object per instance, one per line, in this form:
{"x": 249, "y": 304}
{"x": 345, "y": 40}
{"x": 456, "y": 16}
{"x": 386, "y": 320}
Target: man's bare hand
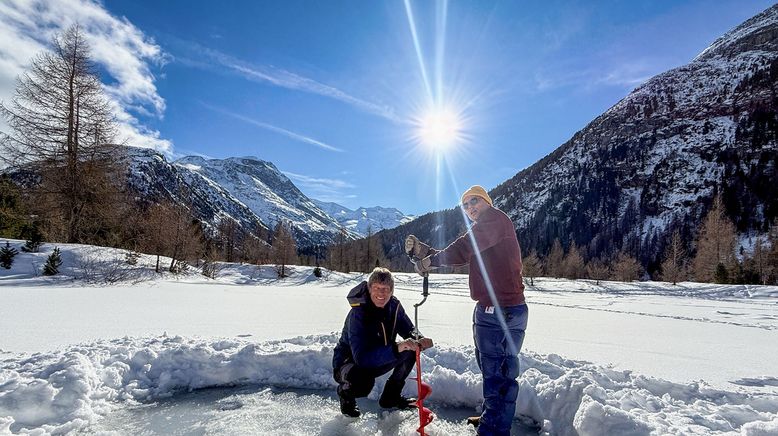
{"x": 407, "y": 345}
{"x": 425, "y": 343}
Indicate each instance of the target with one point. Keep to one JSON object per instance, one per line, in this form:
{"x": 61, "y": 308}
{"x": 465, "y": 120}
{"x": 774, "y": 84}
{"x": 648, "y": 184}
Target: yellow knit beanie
{"x": 478, "y": 191}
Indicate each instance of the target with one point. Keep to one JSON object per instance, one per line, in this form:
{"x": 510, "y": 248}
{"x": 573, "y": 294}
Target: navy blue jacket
{"x": 369, "y": 333}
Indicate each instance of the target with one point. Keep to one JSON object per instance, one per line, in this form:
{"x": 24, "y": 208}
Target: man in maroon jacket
{"x": 492, "y": 251}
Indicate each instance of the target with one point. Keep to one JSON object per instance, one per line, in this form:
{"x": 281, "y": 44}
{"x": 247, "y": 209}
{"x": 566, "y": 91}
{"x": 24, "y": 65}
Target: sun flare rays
{"x": 439, "y": 122}
{"x": 440, "y": 127}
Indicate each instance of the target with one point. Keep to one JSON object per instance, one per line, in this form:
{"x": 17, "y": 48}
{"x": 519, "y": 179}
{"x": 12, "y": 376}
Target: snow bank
{"x": 69, "y": 390}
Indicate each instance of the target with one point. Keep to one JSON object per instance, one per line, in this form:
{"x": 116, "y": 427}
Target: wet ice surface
{"x": 262, "y": 410}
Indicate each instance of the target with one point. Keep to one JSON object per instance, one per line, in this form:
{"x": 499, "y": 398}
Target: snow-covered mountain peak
{"x": 249, "y": 190}
{"x": 757, "y": 33}
{"x": 365, "y": 220}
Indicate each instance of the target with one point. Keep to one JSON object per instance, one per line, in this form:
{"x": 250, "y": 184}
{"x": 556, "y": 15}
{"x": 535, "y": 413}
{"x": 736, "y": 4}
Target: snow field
{"x": 78, "y": 355}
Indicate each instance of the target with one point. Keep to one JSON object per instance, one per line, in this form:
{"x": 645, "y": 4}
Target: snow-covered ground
{"x": 249, "y": 354}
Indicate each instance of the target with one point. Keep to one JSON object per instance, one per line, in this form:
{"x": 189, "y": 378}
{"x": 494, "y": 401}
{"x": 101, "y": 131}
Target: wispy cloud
{"x": 272, "y": 128}
{"x": 628, "y": 74}
{"x": 330, "y": 190}
{"x": 121, "y": 49}
{"x": 622, "y": 74}
{"x": 282, "y": 78}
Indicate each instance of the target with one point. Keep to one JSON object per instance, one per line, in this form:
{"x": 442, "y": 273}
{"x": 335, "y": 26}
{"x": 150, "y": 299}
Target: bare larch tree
{"x": 715, "y": 259}
{"x": 62, "y": 129}
{"x": 674, "y": 263}
{"x": 284, "y": 248}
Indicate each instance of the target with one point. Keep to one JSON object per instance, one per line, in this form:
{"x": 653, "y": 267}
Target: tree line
{"x": 715, "y": 260}
{"x": 716, "y": 255}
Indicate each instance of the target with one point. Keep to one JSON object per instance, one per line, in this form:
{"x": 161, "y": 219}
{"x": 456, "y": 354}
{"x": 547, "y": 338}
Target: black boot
{"x": 401, "y": 402}
{"x": 474, "y": 421}
{"x": 348, "y": 407}
{"x": 391, "y": 398}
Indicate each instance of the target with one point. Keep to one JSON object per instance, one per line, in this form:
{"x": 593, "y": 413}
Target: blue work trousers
{"x": 497, "y": 346}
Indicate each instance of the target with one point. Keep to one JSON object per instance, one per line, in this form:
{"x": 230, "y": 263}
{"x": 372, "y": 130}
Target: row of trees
{"x": 712, "y": 257}
{"x": 715, "y": 260}
{"x": 571, "y": 265}
{"x": 362, "y": 255}
{"x": 170, "y": 230}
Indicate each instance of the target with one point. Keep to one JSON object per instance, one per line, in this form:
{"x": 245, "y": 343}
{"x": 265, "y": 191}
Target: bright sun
{"x": 439, "y": 128}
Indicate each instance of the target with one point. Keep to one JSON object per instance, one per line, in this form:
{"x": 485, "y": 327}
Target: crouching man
{"x": 367, "y": 347}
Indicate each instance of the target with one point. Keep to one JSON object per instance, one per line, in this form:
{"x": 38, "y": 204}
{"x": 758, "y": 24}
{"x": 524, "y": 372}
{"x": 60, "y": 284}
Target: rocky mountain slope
{"x": 251, "y": 191}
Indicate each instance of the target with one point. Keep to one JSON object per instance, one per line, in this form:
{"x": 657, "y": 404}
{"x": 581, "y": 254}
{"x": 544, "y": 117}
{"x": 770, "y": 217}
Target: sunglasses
{"x": 469, "y": 203}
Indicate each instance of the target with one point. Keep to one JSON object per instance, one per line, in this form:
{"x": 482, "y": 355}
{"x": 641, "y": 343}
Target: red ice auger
{"x": 424, "y": 390}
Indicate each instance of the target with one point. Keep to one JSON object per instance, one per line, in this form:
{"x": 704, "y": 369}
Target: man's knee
{"x": 360, "y": 390}
{"x": 407, "y": 356}
{"x": 406, "y": 362}
{"x": 403, "y": 366}
{"x": 340, "y": 373}
{"x": 353, "y": 381}
{"x": 510, "y": 367}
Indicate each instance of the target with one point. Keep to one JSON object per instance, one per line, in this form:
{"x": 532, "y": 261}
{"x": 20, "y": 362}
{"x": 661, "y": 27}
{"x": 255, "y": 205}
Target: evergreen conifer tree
{"x": 53, "y": 262}
{"x": 721, "y": 275}
{"x": 12, "y": 212}
{"x": 35, "y": 240}
{"x": 772, "y": 256}
{"x": 7, "y": 255}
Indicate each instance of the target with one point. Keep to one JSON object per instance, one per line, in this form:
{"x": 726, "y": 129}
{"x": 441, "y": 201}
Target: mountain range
{"x": 254, "y": 193}
{"x": 654, "y": 162}
{"x": 365, "y": 220}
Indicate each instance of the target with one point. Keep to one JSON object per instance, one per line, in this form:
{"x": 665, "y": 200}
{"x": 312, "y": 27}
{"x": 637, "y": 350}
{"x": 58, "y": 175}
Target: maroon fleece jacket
{"x": 495, "y": 240}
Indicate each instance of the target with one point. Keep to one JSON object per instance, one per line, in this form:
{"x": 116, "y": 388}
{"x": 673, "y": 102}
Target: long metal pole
{"x": 424, "y": 414}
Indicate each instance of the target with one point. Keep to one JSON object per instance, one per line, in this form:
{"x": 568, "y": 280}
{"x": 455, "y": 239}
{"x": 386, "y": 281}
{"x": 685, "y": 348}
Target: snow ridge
{"x": 69, "y": 390}
{"x": 752, "y": 26}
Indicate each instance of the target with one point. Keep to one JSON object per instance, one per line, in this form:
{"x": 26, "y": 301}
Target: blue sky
{"x": 329, "y": 91}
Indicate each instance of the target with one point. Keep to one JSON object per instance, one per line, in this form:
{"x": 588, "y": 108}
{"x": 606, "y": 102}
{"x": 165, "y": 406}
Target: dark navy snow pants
{"x": 357, "y": 381}
{"x": 497, "y": 347}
